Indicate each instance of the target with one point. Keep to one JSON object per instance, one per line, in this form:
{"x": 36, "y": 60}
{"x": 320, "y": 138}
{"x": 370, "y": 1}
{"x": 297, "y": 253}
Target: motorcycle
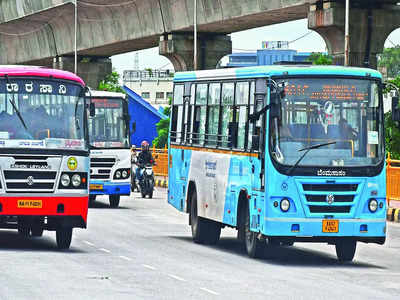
{"x": 147, "y": 182}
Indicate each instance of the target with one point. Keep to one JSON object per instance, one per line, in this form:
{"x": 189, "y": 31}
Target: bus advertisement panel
{"x": 43, "y": 152}
{"x": 110, "y": 158}
{"x": 284, "y": 154}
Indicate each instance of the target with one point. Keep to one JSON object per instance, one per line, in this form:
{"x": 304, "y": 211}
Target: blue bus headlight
{"x": 118, "y": 174}
{"x": 373, "y": 205}
{"x": 285, "y": 204}
{"x": 125, "y": 174}
{"x": 65, "y": 180}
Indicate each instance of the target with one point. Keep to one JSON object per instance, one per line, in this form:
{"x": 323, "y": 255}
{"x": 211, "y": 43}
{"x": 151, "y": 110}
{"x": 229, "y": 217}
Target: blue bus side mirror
{"x": 395, "y": 109}
{"x": 92, "y": 109}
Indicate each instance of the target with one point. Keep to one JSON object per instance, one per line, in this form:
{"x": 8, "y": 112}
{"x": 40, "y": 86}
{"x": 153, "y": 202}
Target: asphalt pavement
{"x": 144, "y": 250}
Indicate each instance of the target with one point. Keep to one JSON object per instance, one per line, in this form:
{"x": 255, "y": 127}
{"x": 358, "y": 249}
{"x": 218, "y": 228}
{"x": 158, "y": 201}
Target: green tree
{"x": 390, "y": 59}
{"x": 318, "y": 58}
{"x": 392, "y": 130}
{"x": 111, "y": 83}
{"x": 162, "y": 129}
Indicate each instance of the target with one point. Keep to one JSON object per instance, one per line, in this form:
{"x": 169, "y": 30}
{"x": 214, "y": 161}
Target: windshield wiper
{"x": 76, "y": 119}
{"x": 307, "y": 149}
{"x": 18, "y": 113}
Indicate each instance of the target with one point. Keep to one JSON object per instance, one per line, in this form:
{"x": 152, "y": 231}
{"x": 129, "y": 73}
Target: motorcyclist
{"x": 143, "y": 158}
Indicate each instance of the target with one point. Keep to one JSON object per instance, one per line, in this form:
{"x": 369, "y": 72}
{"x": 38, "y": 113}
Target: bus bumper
{"x": 70, "y": 211}
{"x": 310, "y": 230}
{"x": 110, "y": 188}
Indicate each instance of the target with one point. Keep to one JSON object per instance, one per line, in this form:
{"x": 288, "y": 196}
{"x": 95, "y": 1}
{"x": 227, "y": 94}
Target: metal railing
{"x": 392, "y": 180}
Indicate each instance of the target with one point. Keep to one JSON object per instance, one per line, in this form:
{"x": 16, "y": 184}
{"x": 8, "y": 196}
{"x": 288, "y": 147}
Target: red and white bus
{"x": 44, "y": 156}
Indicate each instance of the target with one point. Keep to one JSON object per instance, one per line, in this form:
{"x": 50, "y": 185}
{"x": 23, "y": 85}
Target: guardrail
{"x": 393, "y": 182}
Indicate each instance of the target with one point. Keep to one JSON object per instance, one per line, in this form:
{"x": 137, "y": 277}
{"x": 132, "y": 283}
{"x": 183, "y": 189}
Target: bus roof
{"x": 274, "y": 70}
{"x": 38, "y": 72}
{"x": 106, "y": 94}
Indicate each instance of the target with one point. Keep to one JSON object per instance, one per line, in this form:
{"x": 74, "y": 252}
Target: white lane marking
{"x": 124, "y": 257}
{"x": 209, "y": 291}
{"x": 149, "y": 267}
{"x": 176, "y": 277}
{"x": 105, "y": 250}
{"x": 89, "y": 243}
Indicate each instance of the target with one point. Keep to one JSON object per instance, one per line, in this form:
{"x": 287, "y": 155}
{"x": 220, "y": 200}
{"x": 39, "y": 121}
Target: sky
{"x": 243, "y": 41}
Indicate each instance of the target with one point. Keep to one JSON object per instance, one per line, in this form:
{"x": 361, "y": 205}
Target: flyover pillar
{"x": 91, "y": 69}
{"x": 179, "y": 49}
{"x": 369, "y": 26}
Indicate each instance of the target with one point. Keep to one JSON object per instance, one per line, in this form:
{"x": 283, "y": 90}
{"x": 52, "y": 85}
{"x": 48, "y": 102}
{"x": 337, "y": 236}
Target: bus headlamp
{"x": 76, "y": 180}
{"x": 118, "y": 174}
{"x": 285, "y": 204}
{"x": 373, "y": 205}
{"x": 124, "y": 174}
{"x": 65, "y": 180}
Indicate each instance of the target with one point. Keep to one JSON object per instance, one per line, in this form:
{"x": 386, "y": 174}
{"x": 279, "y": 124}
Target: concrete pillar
{"x": 178, "y": 48}
{"x": 368, "y": 29}
{"x": 91, "y": 69}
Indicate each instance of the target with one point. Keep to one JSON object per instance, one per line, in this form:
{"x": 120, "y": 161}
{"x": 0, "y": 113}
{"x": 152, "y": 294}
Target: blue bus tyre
{"x": 114, "y": 201}
{"x": 255, "y": 248}
{"x": 345, "y": 250}
{"x": 63, "y": 238}
{"x": 92, "y": 199}
{"x": 198, "y": 224}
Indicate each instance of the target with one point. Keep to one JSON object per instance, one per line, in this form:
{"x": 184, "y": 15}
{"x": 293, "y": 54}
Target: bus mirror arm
{"x": 92, "y": 109}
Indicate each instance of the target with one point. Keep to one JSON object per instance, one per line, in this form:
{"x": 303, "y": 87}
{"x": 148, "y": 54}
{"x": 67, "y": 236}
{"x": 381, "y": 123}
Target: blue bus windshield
{"x": 320, "y": 110}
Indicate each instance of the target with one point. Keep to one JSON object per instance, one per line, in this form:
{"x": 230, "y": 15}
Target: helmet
{"x": 145, "y": 146}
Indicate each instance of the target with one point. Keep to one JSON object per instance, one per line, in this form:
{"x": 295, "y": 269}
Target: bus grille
{"x": 100, "y": 167}
{"x": 327, "y": 197}
{"x": 29, "y": 181}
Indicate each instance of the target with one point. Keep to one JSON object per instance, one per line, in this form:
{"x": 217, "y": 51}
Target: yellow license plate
{"x": 96, "y": 186}
{"x": 29, "y": 203}
{"x": 330, "y": 226}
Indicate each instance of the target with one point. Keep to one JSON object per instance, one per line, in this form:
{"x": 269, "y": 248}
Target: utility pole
{"x": 346, "y": 36}
{"x": 195, "y": 36}
{"x": 75, "y": 37}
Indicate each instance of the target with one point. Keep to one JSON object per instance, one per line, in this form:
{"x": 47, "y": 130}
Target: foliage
{"x": 318, "y": 58}
{"x": 392, "y": 128}
{"x": 111, "y": 83}
{"x": 162, "y": 129}
{"x": 390, "y": 59}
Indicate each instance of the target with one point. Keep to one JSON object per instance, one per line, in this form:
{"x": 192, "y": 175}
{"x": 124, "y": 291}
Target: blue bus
{"x": 110, "y": 156}
{"x": 283, "y": 154}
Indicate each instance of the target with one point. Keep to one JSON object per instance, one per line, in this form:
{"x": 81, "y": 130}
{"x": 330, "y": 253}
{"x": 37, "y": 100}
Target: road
{"x": 143, "y": 250}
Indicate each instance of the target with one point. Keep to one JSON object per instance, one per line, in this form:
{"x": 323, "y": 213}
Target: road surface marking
{"x": 105, "y": 250}
{"x": 176, "y": 277}
{"x": 149, "y": 267}
{"x": 124, "y": 257}
{"x": 89, "y": 243}
{"x": 209, "y": 291}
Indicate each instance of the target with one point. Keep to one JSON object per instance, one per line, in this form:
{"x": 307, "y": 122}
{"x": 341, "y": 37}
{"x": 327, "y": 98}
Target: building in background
{"x": 154, "y": 86}
{"x": 145, "y": 116}
{"x": 271, "y": 52}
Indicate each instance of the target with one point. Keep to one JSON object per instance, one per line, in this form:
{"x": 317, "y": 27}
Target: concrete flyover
{"x": 37, "y": 31}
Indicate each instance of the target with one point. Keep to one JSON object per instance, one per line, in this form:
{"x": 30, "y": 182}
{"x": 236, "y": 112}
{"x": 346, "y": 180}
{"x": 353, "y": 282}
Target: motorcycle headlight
{"x": 76, "y": 180}
{"x": 65, "y": 180}
{"x": 118, "y": 174}
{"x": 124, "y": 174}
{"x": 149, "y": 171}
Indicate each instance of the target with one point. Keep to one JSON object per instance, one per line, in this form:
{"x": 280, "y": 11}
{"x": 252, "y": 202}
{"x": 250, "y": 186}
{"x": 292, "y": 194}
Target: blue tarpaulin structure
{"x": 145, "y": 116}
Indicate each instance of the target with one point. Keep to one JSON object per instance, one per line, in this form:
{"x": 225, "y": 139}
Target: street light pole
{"x": 195, "y": 36}
{"x": 75, "y": 37}
{"x": 346, "y": 36}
